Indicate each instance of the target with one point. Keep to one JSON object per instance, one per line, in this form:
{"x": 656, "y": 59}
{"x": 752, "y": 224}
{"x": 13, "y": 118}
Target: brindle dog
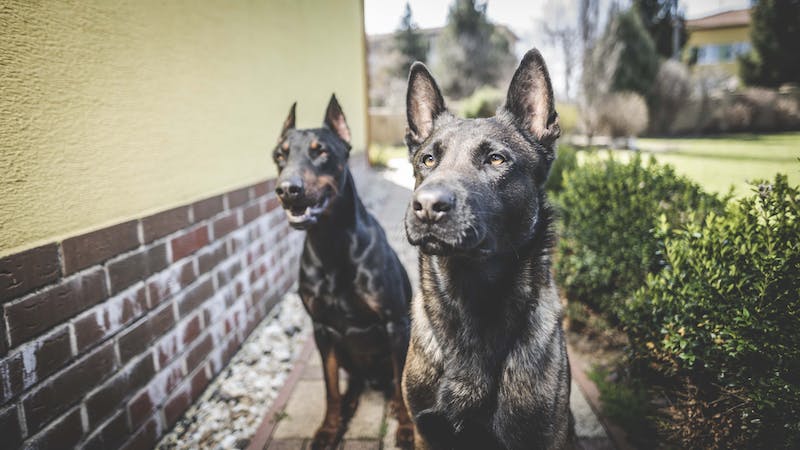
{"x": 351, "y": 282}
{"x": 487, "y": 365}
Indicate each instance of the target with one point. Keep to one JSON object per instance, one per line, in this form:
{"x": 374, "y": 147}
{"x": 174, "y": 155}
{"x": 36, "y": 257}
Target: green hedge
{"x": 609, "y": 209}
{"x": 722, "y": 322}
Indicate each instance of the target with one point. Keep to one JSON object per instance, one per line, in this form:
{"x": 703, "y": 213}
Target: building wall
{"x": 114, "y": 110}
{"x": 140, "y": 238}
{"x": 732, "y": 35}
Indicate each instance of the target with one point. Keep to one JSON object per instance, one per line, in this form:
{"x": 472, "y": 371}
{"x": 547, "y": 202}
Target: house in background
{"x": 716, "y": 41}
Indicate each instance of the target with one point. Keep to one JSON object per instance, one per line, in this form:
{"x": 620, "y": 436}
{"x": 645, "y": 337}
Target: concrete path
{"x": 292, "y": 422}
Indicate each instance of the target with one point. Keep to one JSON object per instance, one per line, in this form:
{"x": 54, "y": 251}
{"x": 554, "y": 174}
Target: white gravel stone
{"x": 233, "y": 405}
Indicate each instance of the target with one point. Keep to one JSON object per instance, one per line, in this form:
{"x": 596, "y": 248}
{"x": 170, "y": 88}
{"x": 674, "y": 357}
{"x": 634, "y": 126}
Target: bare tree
{"x": 560, "y": 30}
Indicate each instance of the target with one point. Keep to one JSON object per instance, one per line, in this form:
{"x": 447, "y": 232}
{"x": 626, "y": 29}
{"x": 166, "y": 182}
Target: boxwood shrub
{"x": 609, "y": 209}
{"x": 722, "y": 322}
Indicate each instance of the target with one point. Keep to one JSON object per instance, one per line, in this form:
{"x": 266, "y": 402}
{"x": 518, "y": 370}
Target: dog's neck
{"x": 331, "y": 234}
{"x": 495, "y": 290}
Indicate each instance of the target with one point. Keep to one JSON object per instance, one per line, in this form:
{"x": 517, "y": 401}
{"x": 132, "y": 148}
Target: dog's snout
{"x": 290, "y": 188}
{"x": 433, "y": 203}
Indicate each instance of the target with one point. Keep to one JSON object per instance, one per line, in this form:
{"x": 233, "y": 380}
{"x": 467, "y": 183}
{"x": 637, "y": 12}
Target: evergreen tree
{"x": 657, "y": 17}
{"x": 474, "y": 52}
{"x": 638, "y": 60}
{"x": 411, "y": 44}
{"x": 775, "y": 36}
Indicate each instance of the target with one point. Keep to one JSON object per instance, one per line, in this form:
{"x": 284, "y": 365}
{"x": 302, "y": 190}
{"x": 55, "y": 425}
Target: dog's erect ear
{"x": 424, "y": 103}
{"x": 288, "y": 124}
{"x": 530, "y": 99}
{"x": 334, "y": 119}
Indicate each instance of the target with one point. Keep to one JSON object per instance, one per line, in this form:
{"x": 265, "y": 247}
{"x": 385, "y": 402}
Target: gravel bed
{"x": 233, "y": 405}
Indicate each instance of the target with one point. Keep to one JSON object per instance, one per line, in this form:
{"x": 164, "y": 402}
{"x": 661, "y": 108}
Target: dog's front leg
{"x": 329, "y": 433}
{"x": 398, "y": 337}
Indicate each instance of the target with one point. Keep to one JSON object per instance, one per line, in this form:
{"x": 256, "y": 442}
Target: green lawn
{"x": 721, "y": 161}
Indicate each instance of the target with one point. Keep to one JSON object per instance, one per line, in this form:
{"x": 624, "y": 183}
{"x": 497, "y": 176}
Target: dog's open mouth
{"x": 302, "y": 217}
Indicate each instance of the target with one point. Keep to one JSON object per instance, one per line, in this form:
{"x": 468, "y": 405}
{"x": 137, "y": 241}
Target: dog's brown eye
{"x": 428, "y": 160}
{"x": 496, "y": 159}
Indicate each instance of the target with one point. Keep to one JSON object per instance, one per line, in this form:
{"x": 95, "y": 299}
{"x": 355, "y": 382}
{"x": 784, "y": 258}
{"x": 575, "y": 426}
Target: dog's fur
{"x": 351, "y": 282}
{"x": 487, "y": 365}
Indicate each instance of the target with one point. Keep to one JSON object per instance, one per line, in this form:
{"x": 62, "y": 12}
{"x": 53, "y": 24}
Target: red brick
{"x": 264, "y": 188}
{"x": 45, "y": 309}
{"x": 238, "y": 197}
{"x": 65, "y": 433}
{"x": 195, "y": 296}
{"x": 251, "y": 213}
{"x": 188, "y": 243}
{"x": 9, "y": 427}
{"x": 160, "y": 291}
{"x": 209, "y": 258}
{"x": 143, "y": 403}
{"x": 199, "y": 353}
{"x": 199, "y": 383}
{"x": 102, "y": 402}
{"x": 138, "y": 338}
{"x": 227, "y": 273}
{"x": 114, "y": 315}
{"x": 273, "y": 203}
{"x": 225, "y": 224}
{"x": 145, "y": 438}
{"x": 23, "y": 272}
{"x": 209, "y": 207}
{"x": 52, "y": 353}
{"x": 109, "y": 435}
{"x": 80, "y": 252}
{"x": 136, "y": 266}
{"x": 65, "y": 388}
{"x": 173, "y": 344}
{"x": 164, "y": 223}
{"x": 176, "y": 405}
{"x": 11, "y": 377}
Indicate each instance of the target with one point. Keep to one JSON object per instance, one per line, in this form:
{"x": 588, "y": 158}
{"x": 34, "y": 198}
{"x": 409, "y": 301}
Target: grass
{"x": 720, "y": 162}
{"x": 379, "y": 155}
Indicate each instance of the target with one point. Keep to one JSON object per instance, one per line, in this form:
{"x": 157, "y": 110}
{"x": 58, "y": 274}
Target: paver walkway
{"x": 298, "y": 411}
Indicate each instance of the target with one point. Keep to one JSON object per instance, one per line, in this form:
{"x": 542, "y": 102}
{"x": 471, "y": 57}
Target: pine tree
{"x": 657, "y": 17}
{"x": 411, "y": 44}
{"x": 474, "y": 52}
{"x": 638, "y": 60}
{"x": 775, "y": 36}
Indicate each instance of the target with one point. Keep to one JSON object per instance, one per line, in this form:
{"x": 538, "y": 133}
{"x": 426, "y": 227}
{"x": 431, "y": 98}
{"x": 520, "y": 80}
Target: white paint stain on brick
{"x": 29, "y": 362}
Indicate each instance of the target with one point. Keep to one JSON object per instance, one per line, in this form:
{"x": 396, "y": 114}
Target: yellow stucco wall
{"x": 111, "y": 110}
{"x": 698, "y": 38}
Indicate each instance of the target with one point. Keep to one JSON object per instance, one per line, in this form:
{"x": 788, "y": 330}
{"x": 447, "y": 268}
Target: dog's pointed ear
{"x": 288, "y": 124}
{"x": 530, "y": 99}
{"x": 424, "y": 103}
{"x": 334, "y": 119}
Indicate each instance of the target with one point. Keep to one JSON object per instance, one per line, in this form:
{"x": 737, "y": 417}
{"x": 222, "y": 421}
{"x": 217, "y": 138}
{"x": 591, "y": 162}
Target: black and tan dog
{"x": 351, "y": 282}
{"x": 487, "y": 365}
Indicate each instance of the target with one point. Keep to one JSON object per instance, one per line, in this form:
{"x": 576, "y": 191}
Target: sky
{"x": 522, "y": 16}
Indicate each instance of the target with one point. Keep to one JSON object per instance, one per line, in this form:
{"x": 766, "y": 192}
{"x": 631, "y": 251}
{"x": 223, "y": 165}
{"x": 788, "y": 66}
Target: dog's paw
{"x": 326, "y": 438}
{"x": 404, "y": 437}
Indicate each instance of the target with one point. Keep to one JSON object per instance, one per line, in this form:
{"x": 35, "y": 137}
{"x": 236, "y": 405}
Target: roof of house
{"x": 735, "y": 18}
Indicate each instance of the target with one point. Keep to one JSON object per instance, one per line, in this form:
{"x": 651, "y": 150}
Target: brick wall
{"x": 106, "y": 338}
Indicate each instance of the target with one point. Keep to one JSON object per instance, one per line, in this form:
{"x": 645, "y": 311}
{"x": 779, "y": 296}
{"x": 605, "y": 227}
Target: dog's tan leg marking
{"x": 329, "y": 433}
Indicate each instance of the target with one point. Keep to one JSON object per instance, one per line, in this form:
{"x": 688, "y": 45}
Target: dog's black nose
{"x": 289, "y": 188}
{"x": 431, "y": 204}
